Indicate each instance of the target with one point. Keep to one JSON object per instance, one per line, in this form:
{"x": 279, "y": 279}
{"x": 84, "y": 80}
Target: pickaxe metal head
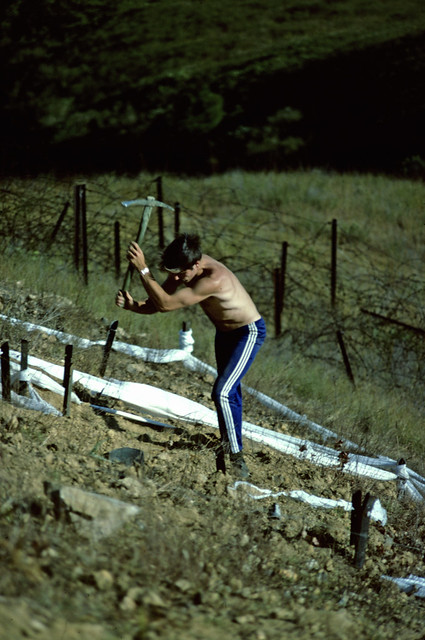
{"x": 146, "y": 202}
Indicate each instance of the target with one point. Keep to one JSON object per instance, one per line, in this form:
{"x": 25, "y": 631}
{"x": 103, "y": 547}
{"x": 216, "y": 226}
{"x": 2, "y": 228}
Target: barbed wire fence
{"x": 331, "y": 295}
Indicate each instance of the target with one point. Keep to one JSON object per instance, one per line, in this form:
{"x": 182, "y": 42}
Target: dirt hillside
{"x": 199, "y": 558}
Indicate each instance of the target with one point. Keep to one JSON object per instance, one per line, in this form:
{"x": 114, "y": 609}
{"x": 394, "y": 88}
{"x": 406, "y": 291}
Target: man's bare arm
{"x": 126, "y": 301}
{"x": 169, "y": 297}
{"x": 146, "y": 307}
{"x": 181, "y": 297}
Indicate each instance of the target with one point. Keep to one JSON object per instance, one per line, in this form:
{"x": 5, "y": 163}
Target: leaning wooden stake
{"x": 277, "y": 302}
{"x": 77, "y": 225}
{"x": 67, "y": 381}
{"x": 58, "y": 223}
{"x": 5, "y": 372}
{"x": 84, "y": 233}
{"x": 160, "y": 216}
{"x": 345, "y": 357}
{"x": 108, "y": 346}
{"x": 176, "y": 219}
{"x": 117, "y": 244}
{"x": 333, "y": 262}
{"x": 360, "y": 518}
{"x": 283, "y": 275}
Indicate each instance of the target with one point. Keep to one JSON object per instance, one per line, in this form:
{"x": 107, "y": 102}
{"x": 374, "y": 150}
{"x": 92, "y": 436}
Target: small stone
{"x": 49, "y": 458}
{"x": 282, "y": 614}
{"x": 13, "y": 423}
{"x": 293, "y": 528}
{"x": 153, "y": 599}
{"x": 136, "y": 594}
{"x": 38, "y": 626}
{"x": 289, "y": 574}
{"x": 134, "y": 487}
{"x": 245, "y": 619}
{"x": 104, "y": 579}
{"x": 183, "y": 585}
{"x": 244, "y": 540}
{"x": 236, "y": 584}
{"x": 330, "y": 566}
{"x": 127, "y": 604}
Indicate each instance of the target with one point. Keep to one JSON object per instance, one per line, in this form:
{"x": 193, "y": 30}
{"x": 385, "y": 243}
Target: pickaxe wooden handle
{"x": 149, "y": 204}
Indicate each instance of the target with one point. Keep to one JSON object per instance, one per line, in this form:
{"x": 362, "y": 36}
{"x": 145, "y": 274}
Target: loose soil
{"x": 201, "y": 560}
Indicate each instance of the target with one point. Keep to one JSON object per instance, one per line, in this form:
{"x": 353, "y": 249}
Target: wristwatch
{"x": 144, "y": 271}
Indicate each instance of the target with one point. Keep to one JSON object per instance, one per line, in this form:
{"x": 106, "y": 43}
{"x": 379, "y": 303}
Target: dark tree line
{"x": 126, "y": 85}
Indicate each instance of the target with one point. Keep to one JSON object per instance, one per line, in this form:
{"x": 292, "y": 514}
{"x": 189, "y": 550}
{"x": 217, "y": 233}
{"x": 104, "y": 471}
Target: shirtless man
{"x": 240, "y": 329}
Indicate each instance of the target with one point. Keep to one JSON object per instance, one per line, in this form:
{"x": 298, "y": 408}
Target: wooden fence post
{"x": 5, "y": 372}
{"x": 176, "y": 219}
{"x": 277, "y": 302}
{"x": 160, "y": 216}
{"x": 283, "y": 274}
{"x": 67, "y": 381}
{"x": 80, "y": 229}
{"x": 77, "y": 220}
{"x": 84, "y": 233}
{"x": 333, "y": 263}
{"x": 117, "y": 249}
{"x": 360, "y": 518}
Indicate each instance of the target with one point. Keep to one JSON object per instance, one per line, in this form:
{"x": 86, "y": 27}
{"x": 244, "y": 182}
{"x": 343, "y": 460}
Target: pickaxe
{"x": 148, "y": 203}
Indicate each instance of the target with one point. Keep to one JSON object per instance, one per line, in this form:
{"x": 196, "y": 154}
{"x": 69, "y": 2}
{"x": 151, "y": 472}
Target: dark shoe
{"x": 238, "y": 466}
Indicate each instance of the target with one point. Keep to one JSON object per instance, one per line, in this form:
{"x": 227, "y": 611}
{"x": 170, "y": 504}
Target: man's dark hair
{"x": 182, "y": 253}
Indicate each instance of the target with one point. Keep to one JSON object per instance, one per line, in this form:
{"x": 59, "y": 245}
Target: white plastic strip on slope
{"x": 38, "y": 378}
{"x": 170, "y": 405}
{"x": 183, "y": 354}
{"x": 34, "y": 402}
{"x": 378, "y": 513}
{"x": 412, "y": 584}
{"x": 157, "y": 402}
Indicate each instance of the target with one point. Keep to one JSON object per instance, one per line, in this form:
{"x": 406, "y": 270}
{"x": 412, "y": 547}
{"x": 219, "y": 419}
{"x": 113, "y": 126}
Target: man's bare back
{"x": 229, "y": 306}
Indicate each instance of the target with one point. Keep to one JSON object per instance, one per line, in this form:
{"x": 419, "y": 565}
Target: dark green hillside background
{"x": 179, "y": 85}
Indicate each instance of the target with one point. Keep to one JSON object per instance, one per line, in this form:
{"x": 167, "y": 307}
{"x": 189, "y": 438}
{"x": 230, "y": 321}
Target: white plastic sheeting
{"x": 33, "y": 401}
{"x": 157, "y": 402}
{"x": 412, "y": 584}
{"x": 183, "y": 354}
{"x": 378, "y": 513}
{"x": 154, "y": 401}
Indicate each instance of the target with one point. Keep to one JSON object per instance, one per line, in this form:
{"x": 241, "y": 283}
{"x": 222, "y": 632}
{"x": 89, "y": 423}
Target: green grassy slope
{"x": 243, "y": 218}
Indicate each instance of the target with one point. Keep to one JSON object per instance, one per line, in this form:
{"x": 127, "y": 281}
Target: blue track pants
{"x": 235, "y": 352}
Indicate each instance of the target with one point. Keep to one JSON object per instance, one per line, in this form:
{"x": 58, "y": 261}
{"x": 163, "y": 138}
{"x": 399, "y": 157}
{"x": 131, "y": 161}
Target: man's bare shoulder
{"x": 214, "y": 275}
